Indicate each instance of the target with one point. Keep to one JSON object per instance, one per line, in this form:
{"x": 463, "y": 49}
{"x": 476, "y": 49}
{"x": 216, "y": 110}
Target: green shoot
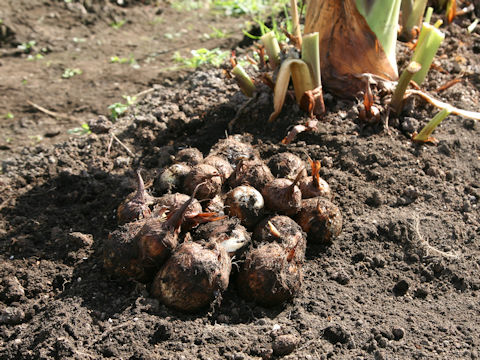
{"x": 203, "y": 56}
{"x": 428, "y": 15}
{"x": 9, "y": 116}
{"x": 119, "y": 108}
{"x": 69, "y": 73}
{"x": 397, "y": 97}
{"x": 272, "y": 48}
{"x": 382, "y": 17}
{"x": 472, "y": 26}
{"x": 428, "y": 43}
{"x": 117, "y": 24}
{"x": 82, "y": 130}
{"x": 27, "y": 47}
{"x": 424, "y": 134}
{"x": 244, "y": 81}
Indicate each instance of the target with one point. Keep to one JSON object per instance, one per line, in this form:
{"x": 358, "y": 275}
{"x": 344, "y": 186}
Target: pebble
{"x": 11, "y": 316}
{"x": 13, "y": 290}
{"x": 336, "y": 334}
{"x": 284, "y": 344}
{"x": 401, "y": 287}
{"x": 398, "y": 333}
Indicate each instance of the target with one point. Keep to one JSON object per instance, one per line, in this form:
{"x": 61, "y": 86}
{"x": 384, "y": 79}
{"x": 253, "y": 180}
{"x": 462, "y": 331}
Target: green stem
{"x": 244, "y": 81}
{"x": 428, "y": 43}
{"x": 428, "y": 15}
{"x": 272, "y": 48}
{"x": 397, "y": 98}
{"x": 296, "y": 21}
{"x": 382, "y": 17}
{"x": 424, "y": 135}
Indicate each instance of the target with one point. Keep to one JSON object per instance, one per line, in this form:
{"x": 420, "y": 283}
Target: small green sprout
{"x": 84, "y": 129}
{"x": 424, "y": 135}
{"x": 397, "y": 98}
{"x": 27, "y": 47}
{"x": 69, "y": 73}
{"x": 117, "y": 24}
{"x": 9, "y": 116}
{"x": 77, "y": 40}
{"x": 119, "y": 108}
{"x": 123, "y": 60}
{"x": 412, "y": 12}
{"x": 35, "y": 57}
{"x": 203, "y": 56}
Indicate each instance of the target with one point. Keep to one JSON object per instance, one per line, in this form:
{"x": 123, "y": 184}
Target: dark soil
{"x": 402, "y": 280}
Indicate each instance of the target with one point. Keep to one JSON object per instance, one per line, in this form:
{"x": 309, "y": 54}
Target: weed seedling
{"x": 203, "y": 56}
{"x": 68, "y": 73}
{"x": 119, "y": 108}
{"x": 81, "y": 130}
{"x": 9, "y": 116}
{"x": 27, "y": 47}
{"x": 117, "y": 24}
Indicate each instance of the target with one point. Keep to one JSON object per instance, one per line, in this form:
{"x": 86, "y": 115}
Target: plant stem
{"x": 296, "y": 21}
{"x": 272, "y": 48}
{"x": 472, "y": 26}
{"x": 382, "y": 17}
{"x": 311, "y": 55}
{"x": 397, "y": 99}
{"x": 414, "y": 18}
{"x": 244, "y": 81}
{"x": 428, "y": 43}
{"x": 428, "y": 15}
{"x": 424, "y": 134}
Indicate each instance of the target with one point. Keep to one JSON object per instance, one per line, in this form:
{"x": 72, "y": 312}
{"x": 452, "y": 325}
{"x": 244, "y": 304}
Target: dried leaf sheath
{"x": 347, "y": 46}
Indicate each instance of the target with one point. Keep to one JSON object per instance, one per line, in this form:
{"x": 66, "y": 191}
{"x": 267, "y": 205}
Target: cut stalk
{"x": 272, "y": 48}
{"x": 472, "y": 26}
{"x": 244, "y": 81}
{"x": 397, "y": 99}
{"x": 428, "y": 43}
{"x": 311, "y": 55}
{"x": 414, "y": 18}
{"x": 424, "y": 135}
{"x": 382, "y": 17}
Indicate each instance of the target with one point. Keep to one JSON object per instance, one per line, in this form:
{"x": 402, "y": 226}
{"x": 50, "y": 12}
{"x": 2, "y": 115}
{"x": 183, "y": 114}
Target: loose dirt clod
{"x": 190, "y": 156}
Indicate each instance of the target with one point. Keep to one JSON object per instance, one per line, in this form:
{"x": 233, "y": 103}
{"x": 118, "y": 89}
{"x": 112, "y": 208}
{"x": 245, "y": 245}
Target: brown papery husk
{"x": 283, "y": 230}
{"x": 136, "y": 205}
{"x": 286, "y": 165}
{"x": 190, "y": 156}
{"x": 251, "y": 172}
{"x": 174, "y": 202}
{"x": 320, "y": 219}
{"x": 120, "y": 252}
{"x": 233, "y": 149}
{"x": 224, "y": 232}
{"x": 269, "y": 275}
{"x": 314, "y": 185}
{"x": 347, "y": 46}
{"x": 206, "y": 174}
{"x": 193, "y": 277}
{"x": 246, "y": 203}
{"x": 282, "y": 196}
{"x": 221, "y": 164}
